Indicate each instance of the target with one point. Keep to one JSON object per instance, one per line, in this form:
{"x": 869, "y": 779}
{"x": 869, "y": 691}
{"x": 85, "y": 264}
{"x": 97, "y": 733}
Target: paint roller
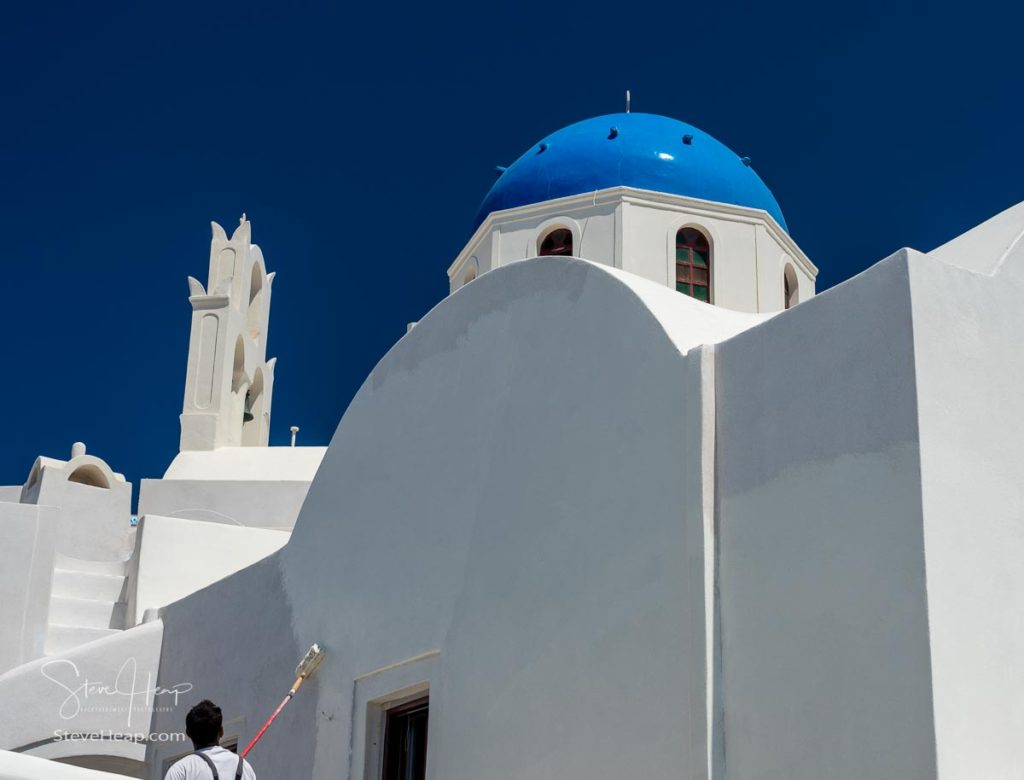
{"x": 310, "y": 661}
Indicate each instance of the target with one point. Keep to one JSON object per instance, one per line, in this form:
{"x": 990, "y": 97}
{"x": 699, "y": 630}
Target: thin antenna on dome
{"x": 627, "y": 101}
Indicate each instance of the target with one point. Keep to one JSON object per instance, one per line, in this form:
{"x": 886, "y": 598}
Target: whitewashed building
{"x": 632, "y": 501}
{"x": 82, "y": 583}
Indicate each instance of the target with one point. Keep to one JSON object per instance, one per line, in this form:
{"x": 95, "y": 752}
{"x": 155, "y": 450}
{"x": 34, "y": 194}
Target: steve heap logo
{"x": 108, "y": 735}
{"x": 128, "y": 692}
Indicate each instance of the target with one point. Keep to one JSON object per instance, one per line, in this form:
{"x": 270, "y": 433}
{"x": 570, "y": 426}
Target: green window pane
{"x": 683, "y": 288}
{"x": 701, "y": 293}
{"x": 700, "y": 276}
{"x": 700, "y": 258}
{"x": 682, "y": 254}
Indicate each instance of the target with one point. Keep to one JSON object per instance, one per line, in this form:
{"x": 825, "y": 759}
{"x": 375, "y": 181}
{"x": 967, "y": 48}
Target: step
{"x": 66, "y": 562}
{"x": 60, "y": 639}
{"x": 85, "y": 585}
{"x": 87, "y": 613}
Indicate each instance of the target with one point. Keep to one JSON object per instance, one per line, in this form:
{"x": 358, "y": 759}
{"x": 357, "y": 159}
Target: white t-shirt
{"x": 192, "y": 767}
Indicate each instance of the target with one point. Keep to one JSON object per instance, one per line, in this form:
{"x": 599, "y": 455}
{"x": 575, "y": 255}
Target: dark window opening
{"x": 693, "y": 264}
{"x": 405, "y": 741}
{"x": 789, "y": 288}
{"x": 557, "y": 242}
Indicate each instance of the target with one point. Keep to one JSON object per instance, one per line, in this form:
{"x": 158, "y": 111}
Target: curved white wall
{"x": 47, "y": 696}
{"x": 517, "y": 487}
{"x": 17, "y": 766}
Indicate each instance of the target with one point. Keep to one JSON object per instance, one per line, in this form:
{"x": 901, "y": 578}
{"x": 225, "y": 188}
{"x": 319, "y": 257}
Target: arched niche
{"x": 790, "y": 287}
{"x": 254, "y": 413}
{"x": 254, "y": 312}
{"x": 91, "y": 475}
{"x": 238, "y": 377}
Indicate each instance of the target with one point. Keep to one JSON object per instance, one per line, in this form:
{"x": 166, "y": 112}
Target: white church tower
{"x": 230, "y": 382}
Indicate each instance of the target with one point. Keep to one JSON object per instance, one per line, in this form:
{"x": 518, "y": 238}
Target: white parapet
{"x": 175, "y": 557}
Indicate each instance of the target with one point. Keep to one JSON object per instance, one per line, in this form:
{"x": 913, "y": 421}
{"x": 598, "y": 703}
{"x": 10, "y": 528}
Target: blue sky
{"x": 360, "y": 140}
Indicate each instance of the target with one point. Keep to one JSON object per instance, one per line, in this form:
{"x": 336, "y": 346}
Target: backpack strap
{"x": 209, "y": 763}
{"x": 241, "y": 766}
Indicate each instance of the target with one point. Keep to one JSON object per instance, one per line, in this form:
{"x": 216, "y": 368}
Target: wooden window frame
{"x": 686, "y": 266}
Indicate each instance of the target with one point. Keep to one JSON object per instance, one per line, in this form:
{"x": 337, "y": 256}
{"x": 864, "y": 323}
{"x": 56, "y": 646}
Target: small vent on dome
{"x": 687, "y": 139}
{"x": 542, "y": 148}
{"x": 613, "y": 132}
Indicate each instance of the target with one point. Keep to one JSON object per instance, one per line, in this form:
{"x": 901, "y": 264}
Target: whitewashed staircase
{"x": 87, "y": 602}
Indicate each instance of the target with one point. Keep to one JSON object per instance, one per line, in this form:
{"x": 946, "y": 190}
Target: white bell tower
{"x": 229, "y": 384}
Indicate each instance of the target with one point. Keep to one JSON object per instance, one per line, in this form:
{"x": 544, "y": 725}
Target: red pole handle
{"x": 281, "y": 706}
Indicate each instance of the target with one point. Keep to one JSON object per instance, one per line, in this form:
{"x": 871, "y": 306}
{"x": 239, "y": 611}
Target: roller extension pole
{"x": 310, "y": 661}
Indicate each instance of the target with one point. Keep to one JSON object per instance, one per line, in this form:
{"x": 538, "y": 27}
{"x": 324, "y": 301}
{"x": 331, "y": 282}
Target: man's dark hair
{"x": 203, "y": 724}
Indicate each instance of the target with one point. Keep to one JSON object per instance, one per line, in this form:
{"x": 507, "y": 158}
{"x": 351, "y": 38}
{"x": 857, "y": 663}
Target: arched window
{"x": 693, "y": 264}
{"x": 557, "y": 242}
{"x": 789, "y": 287}
{"x": 470, "y": 275}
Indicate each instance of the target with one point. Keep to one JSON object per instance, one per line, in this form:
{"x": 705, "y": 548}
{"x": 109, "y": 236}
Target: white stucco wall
{"x": 95, "y": 519}
{"x": 970, "y": 376}
{"x": 258, "y": 487}
{"x": 268, "y": 464}
{"x": 986, "y": 247}
{"x": 516, "y": 234}
{"x": 592, "y": 225}
{"x": 823, "y": 646}
{"x": 10, "y": 494}
{"x": 29, "y": 541}
{"x": 245, "y": 668}
{"x": 175, "y": 557}
{"x": 252, "y": 503}
{"x": 95, "y": 522}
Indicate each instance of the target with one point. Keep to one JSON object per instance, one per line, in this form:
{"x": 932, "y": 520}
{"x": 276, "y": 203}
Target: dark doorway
{"x": 405, "y": 741}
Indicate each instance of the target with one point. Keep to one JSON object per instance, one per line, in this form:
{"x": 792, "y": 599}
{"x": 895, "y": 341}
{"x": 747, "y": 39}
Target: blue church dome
{"x": 645, "y": 151}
